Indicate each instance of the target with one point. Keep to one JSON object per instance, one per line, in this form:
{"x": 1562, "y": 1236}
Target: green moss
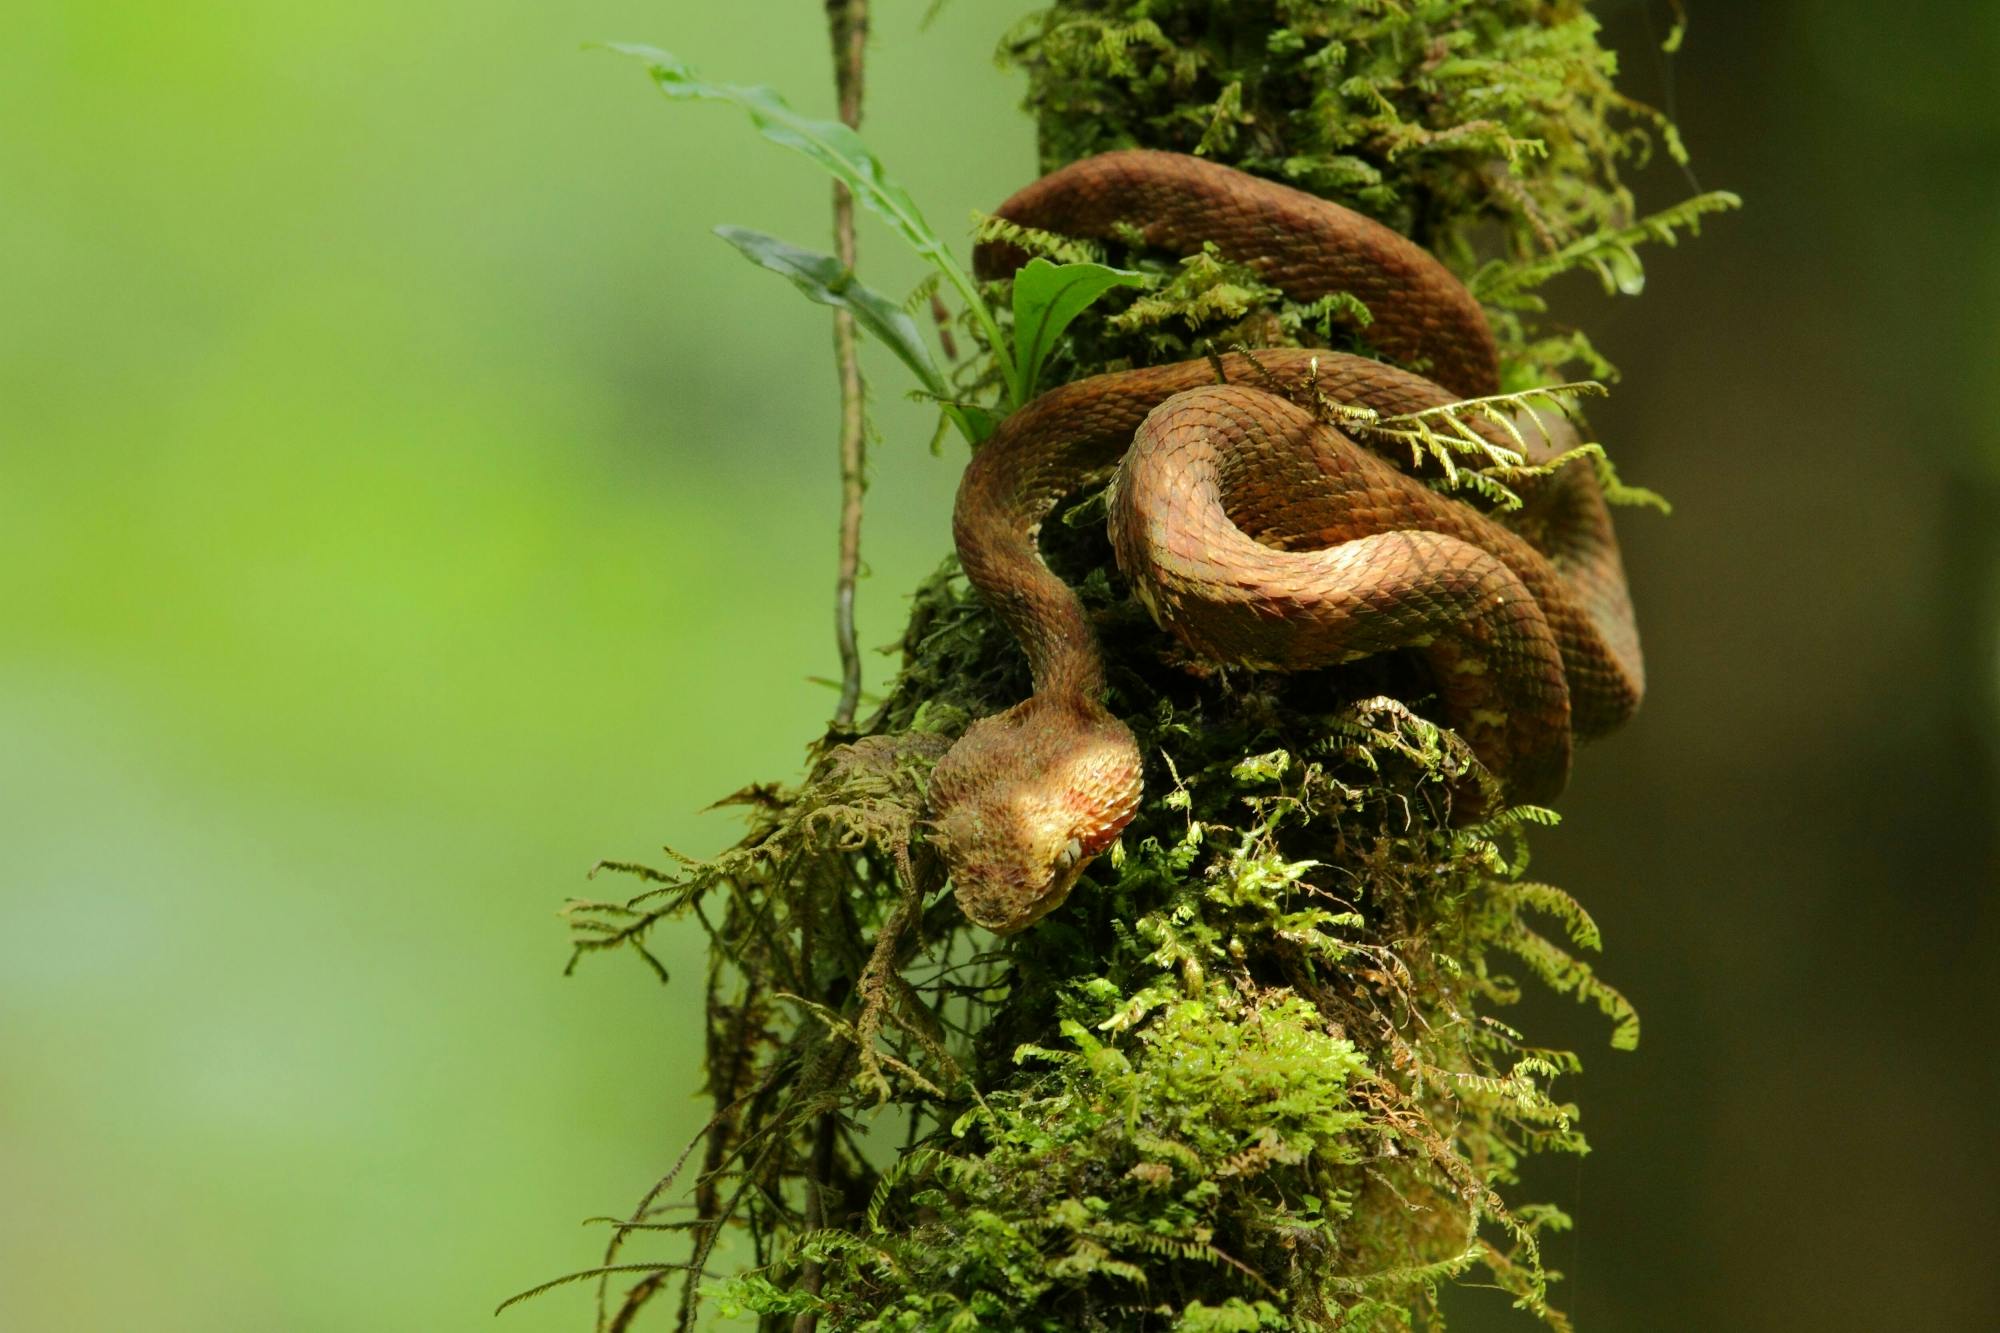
{"x": 1491, "y": 131}
{"x": 1101, "y": 1162}
{"x": 1251, "y": 1066}
{"x": 1251, "y": 1074}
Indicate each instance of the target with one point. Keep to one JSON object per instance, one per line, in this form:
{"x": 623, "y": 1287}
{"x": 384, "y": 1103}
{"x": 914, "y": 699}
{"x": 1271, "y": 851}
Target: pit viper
{"x": 1259, "y": 534}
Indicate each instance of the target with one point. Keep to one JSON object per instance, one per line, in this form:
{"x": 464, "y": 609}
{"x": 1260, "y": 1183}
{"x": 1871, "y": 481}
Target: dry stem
{"x": 847, "y": 23}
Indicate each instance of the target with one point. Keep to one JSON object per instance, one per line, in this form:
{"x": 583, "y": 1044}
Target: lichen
{"x": 1252, "y": 1074}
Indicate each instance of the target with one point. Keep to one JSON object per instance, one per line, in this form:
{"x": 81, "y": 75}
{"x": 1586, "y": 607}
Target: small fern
{"x": 1613, "y": 255}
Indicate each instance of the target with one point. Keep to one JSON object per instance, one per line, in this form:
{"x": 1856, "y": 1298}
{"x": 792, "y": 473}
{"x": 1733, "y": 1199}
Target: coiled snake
{"x": 1261, "y": 536}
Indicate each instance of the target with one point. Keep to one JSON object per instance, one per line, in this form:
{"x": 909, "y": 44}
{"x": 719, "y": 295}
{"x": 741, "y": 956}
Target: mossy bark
{"x": 1250, "y": 1074}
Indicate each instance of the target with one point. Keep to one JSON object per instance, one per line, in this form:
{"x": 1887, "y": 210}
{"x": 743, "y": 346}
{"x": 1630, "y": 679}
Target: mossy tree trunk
{"x": 1251, "y": 1074}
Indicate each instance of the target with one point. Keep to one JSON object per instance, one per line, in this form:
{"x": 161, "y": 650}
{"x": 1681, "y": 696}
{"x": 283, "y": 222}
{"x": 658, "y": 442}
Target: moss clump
{"x": 1237, "y": 1116}
{"x": 1490, "y": 131}
{"x": 1431, "y": 115}
{"x": 1104, "y": 1159}
{"x": 1251, "y": 1074}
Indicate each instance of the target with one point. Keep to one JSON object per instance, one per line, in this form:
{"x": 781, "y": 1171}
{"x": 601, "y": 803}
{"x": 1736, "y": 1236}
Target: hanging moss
{"x": 1251, "y": 1075}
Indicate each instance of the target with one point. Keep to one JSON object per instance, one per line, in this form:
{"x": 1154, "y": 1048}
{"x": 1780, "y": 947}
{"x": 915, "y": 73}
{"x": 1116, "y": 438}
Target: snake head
{"x": 1025, "y": 799}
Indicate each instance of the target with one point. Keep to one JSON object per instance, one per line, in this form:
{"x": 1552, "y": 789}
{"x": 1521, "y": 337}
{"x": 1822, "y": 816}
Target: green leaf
{"x": 978, "y": 423}
{"x": 1047, "y": 299}
{"x": 828, "y": 142}
{"x": 824, "y": 279}
{"x": 1621, "y": 270}
{"x": 843, "y": 154}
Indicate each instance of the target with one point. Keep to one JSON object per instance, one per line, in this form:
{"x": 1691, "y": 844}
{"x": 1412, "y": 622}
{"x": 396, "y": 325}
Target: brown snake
{"x": 1261, "y": 536}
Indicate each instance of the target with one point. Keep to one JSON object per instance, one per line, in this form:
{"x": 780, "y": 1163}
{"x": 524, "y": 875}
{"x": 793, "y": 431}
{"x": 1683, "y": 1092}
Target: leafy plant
{"x": 1047, "y": 297}
{"x": 824, "y": 279}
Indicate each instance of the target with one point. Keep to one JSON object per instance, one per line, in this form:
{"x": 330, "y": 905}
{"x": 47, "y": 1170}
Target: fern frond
{"x": 1613, "y": 253}
{"x": 1033, "y": 241}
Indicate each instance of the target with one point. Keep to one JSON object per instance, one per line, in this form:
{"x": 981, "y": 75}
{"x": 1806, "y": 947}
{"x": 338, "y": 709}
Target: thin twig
{"x": 847, "y": 27}
{"x": 807, "y": 1321}
{"x": 847, "y": 24}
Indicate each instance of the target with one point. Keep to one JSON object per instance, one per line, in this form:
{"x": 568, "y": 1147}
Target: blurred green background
{"x": 406, "y": 501}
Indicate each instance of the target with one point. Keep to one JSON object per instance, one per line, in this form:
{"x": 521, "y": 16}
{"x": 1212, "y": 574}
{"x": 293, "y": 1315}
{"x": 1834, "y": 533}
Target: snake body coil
{"x": 1260, "y": 536}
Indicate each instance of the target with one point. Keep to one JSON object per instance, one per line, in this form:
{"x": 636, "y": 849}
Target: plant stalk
{"x": 847, "y": 28}
{"x": 847, "y": 25}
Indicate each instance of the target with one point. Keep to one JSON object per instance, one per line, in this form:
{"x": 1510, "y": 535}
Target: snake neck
{"x": 1009, "y": 490}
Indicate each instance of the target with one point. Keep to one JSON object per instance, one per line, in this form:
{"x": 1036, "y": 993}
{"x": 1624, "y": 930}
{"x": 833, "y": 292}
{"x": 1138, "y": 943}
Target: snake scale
{"x": 1261, "y": 536}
